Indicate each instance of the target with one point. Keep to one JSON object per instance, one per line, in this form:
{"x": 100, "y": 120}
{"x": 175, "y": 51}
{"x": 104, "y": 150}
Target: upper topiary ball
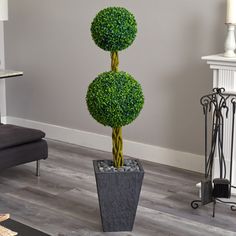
{"x": 114, "y": 29}
{"x": 114, "y": 99}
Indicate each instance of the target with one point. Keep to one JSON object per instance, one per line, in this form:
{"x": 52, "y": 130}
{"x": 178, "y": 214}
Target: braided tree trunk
{"x": 117, "y": 141}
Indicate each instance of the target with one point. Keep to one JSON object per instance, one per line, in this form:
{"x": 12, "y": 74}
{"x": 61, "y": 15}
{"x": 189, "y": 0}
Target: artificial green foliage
{"x": 114, "y": 29}
{"x": 114, "y": 99}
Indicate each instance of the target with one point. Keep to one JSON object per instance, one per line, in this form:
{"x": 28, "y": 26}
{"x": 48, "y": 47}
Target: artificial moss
{"x": 114, "y": 99}
{"x": 114, "y": 29}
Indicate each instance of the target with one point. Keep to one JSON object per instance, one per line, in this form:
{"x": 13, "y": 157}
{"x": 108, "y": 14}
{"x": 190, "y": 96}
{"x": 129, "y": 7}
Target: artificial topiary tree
{"x": 114, "y": 98}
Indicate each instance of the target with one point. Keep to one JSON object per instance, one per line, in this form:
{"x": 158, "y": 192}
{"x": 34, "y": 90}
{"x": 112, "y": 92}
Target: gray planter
{"x": 118, "y": 195}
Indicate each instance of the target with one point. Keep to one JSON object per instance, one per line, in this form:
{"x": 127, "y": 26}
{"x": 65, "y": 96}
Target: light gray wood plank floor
{"x": 63, "y": 201}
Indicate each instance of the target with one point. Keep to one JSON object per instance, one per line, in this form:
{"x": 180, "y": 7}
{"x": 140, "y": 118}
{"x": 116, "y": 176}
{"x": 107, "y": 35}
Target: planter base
{"x": 118, "y": 195}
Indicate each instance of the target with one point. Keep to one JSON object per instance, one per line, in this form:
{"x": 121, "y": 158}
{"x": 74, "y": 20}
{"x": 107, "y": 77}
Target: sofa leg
{"x": 38, "y": 168}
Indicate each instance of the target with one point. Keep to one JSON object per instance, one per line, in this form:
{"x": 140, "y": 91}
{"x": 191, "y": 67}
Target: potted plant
{"x": 115, "y": 99}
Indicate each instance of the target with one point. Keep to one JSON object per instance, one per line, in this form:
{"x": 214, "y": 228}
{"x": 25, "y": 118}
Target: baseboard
{"x": 3, "y": 119}
{"x": 143, "y": 151}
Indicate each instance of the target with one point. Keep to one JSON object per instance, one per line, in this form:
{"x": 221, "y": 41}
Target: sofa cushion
{"x": 22, "y": 154}
{"x": 12, "y": 135}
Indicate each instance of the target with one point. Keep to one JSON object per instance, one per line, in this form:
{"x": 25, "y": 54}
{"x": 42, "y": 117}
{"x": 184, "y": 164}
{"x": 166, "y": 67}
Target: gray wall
{"x": 50, "y": 41}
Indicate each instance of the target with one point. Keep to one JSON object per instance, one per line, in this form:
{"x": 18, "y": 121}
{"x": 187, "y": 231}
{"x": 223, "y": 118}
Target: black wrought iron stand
{"x": 218, "y": 105}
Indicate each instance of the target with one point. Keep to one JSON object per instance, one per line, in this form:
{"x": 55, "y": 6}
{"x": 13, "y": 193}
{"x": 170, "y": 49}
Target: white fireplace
{"x": 224, "y": 75}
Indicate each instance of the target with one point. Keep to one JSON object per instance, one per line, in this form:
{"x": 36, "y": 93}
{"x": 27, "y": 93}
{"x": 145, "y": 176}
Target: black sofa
{"x": 19, "y": 145}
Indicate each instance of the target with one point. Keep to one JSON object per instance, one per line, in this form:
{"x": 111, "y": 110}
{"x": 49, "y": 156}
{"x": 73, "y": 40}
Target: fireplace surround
{"x": 224, "y": 76}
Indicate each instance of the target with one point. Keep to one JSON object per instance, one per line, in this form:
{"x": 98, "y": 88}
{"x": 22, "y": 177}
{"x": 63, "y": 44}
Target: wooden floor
{"x": 63, "y": 201}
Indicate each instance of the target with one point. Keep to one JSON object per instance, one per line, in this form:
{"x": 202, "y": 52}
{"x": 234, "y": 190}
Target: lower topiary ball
{"x": 114, "y": 99}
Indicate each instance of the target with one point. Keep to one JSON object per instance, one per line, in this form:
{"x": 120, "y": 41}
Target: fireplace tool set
{"x": 217, "y": 108}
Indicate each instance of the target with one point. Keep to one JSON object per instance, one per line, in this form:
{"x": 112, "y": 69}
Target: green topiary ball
{"x": 114, "y": 99}
{"x": 114, "y": 29}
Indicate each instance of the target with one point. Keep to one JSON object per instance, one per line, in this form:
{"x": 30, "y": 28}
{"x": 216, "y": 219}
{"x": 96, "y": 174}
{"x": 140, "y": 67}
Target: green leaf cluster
{"x": 114, "y": 29}
{"x": 114, "y": 99}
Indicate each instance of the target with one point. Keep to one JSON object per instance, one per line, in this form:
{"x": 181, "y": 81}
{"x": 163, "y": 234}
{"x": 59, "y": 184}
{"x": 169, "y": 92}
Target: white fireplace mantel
{"x": 224, "y": 76}
{"x": 224, "y": 71}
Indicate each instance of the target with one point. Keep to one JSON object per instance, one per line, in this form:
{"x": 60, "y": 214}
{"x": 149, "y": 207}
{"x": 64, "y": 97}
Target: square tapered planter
{"x": 118, "y": 194}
